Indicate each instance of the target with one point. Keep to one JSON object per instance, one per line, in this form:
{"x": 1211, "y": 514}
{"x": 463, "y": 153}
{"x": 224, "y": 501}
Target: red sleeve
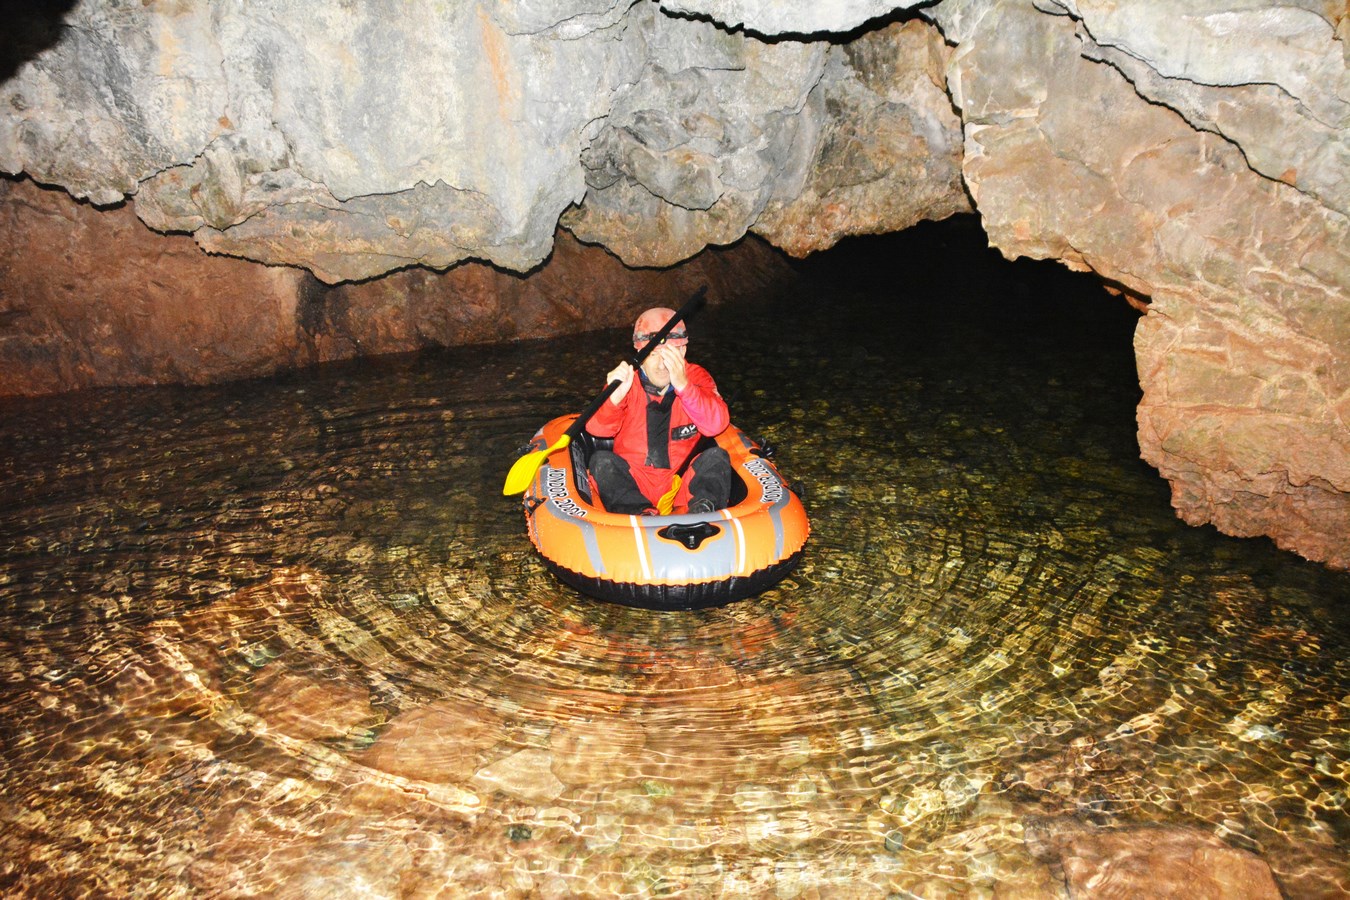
{"x": 607, "y": 419}
{"x": 706, "y": 408}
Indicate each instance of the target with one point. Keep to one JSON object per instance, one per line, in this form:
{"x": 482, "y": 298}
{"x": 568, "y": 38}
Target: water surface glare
{"x": 286, "y": 639}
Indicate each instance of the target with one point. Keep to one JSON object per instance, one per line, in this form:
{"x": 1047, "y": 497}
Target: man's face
{"x": 656, "y": 365}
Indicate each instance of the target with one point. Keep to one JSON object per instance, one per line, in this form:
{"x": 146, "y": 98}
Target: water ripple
{"x": 288, "y": 639}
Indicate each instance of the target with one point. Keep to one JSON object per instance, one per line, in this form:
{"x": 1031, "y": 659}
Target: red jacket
{"x": 698, "y": 409}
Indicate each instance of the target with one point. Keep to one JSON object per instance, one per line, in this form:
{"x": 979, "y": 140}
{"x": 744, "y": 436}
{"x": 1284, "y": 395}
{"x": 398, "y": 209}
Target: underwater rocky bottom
{"x": 287, "y": 639}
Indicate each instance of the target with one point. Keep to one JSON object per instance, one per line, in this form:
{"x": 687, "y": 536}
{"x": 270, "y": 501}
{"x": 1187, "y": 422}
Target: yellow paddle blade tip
{"x": 523, "y": 470}
{"x": 522, "y": 473}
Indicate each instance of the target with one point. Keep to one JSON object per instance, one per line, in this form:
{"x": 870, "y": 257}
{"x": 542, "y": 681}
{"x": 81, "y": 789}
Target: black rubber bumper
{"x": 678, "y": 597}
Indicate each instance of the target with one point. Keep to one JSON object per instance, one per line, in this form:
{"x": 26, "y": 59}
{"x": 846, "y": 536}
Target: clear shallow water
{"x": 286, "y": 638}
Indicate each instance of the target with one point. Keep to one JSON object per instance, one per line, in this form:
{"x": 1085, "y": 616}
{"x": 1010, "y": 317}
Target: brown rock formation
{"x": 93, "y": 298}
{"x": 579, "y": 288}
{"x": 308, "y": 708}
{"x": 1161, "y": 862}
{"x": 442, "y": 742}
{"x": 1242, "y": 355}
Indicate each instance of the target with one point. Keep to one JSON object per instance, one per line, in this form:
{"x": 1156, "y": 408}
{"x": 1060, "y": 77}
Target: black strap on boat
{"x": 763, "y": 448}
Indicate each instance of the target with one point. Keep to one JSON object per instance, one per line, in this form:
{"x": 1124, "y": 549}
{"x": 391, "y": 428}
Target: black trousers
{"x": 711, "y": 480}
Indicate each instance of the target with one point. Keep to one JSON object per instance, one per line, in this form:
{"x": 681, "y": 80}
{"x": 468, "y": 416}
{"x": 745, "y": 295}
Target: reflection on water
{"x": 287, "y": 639}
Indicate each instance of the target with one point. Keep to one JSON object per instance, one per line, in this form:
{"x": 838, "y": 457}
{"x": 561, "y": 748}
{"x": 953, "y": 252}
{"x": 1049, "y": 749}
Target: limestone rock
{"x": 1241, "y": 356}
{"x": 306, "y": 708}
{"x": 441, "y": 742}
{"x": 596, "y": 749}
{"x": 350, "y": 139}
{"x": 884, "y": 144}
{"x": 526, "y": 774}
{"x": 693, "y": 150}
{"x": 122, "y": 94}
{"x": 354, "y": 141}
{"x": 770, "y": 17}
{"x": 1271, "y": 80}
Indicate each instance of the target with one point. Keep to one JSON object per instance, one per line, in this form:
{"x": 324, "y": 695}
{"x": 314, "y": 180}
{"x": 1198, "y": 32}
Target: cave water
{"x": 286, "y": 638}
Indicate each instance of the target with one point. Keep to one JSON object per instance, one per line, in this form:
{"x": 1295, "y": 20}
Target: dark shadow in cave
{"x": 903, "y": 14}
{"x": 911, "y": 324}
{"x": 30, "y": 27}
{"x": 941, "y": 281}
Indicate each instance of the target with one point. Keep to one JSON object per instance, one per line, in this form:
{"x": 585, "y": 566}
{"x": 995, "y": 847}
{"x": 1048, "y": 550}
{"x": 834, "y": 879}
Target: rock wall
{"x": 1244, "y": 253}
{"x": 1196, "y": 158}
{"x": 357, "y": 139}
{"x": 92, "y": 299}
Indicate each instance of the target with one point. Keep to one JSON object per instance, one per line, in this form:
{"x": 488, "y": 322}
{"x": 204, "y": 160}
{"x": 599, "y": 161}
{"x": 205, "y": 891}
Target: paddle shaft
{"x": 663, "y": 506}
{"x": 681, "y": 314}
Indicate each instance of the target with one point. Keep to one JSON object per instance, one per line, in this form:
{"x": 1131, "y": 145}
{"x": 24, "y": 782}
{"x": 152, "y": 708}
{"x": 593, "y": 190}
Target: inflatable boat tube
{"x": 674, "y": 562}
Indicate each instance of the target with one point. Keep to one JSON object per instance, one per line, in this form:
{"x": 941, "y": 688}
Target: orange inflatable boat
{"x": 678, "y": 561}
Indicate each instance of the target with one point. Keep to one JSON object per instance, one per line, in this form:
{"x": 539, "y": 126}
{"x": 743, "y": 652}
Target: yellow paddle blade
{"x": 667, "y": 501}
{"x": 523, "y": 469}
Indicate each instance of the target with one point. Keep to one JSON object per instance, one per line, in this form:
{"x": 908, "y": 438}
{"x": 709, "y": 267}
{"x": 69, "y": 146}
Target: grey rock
{"x": 328, "y": 127}
{"x": 693, "y": 150}
{"x": 1270, "y": 78}
{"x": 879, "y": 147}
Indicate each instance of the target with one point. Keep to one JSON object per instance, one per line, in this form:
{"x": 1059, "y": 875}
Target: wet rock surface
{"x": 1152, "y": 862}
{"x": 286, "y": 638}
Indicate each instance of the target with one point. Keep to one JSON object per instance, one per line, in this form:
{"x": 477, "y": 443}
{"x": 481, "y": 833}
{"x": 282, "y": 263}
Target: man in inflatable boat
{"x": 657, "y": 417}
